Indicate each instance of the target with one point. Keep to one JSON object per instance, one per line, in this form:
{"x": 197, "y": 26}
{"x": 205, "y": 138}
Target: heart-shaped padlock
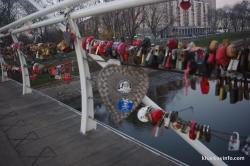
{"x": 156, "y": 115}
{"x": 122, "y": 89}
{"x": 185, "y": 4}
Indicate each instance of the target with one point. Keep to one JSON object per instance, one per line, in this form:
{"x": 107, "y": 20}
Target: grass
{"x": 42, "y": 79}
{"x": 204, "y": 42}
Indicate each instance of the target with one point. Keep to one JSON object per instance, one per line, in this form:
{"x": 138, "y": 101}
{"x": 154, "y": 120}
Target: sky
{"x": 221, "y": 3}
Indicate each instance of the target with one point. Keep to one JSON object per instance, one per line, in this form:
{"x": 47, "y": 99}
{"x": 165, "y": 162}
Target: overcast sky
{"x": 221, "y": 3}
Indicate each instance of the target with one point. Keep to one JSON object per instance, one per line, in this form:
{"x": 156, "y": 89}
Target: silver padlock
{"x": 234, "y": 142}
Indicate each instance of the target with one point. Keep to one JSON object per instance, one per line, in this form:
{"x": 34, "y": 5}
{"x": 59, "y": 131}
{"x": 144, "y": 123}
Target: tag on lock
{"x": 159, "y": 125}
{"x": 167, "y": 120}
{"x": 142, "y": 114}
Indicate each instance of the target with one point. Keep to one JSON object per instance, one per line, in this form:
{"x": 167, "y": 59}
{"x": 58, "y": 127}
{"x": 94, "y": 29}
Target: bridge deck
{"x": 36, "y": 130}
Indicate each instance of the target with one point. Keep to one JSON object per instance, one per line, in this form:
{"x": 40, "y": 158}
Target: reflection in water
{"x": 169, "y": 92}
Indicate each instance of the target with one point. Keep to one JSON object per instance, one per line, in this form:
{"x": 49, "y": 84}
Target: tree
{"x": 157, "y": 18}
{"x": 236, "y": 17}
{"x": 132, "y": 19}
{"x": 153, "y": 17}
{"x": 223, "y": 19}
{"x": 242, "y": 11}
{"x": 8, "y": 11}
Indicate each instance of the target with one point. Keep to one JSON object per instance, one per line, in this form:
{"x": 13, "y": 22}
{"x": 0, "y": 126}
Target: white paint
{"x": 4, "y": 72}
{"x": 39, "y": 8}
{"x": 24, "y": 69}
{"x": 87, "y": 122}
{"x": 91, "y": 11}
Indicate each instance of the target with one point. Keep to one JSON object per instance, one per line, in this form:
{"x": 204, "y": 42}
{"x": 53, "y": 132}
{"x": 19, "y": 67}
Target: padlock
{"x": 208, "y": 134}
{"x": 149, "y": 58}
{"x": 193, "y": 83}
{"x": 67, "y": 76}
{"x": 185, "y": 128}
{"x": 204, "y": 85}
{"x": 156, "y": 50}
{"x": 155, "y": 116}
{"x": 234, "y": 92}
{"x": 53, "y": 70}
{"x": 36, "y": 68}
{"x": 177, "y": 124}
{"x": 211, "y": 58}
{"x": 223, "y": 93}
{"x": 33, "y": 77}
{"x": 198, "y": 132}
{"x": 167, "y": 120}
{"x": 168, "y": 64}
{"x": 248, "y": 66}
{"x": 142, "y": 114}
{"x": 202, "y": 130}
{"x": 227, "y": 84}
{"x": 185, "y": 4}
{"x": 174, "y": 116}
{"x": 246, "y": 90}
{"x": 246, "y": 147}
{"x": 240, "y": 91}
{"x": 217, "y": 88}
{"x": 244, "y": 61}
{"x": 234, "y": 142}
{"x": 192, "y": 131}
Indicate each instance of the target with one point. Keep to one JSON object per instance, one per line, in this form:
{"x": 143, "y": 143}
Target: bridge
{"x": 37, "y": 130}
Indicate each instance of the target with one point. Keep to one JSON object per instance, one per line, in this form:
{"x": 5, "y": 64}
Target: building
{"x": 195, "y": 21}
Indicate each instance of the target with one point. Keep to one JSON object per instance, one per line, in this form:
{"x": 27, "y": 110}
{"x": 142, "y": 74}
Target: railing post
{"x": 4, "y": 72}
{"x": 87, "y": 120}
{"x": 24, "y": 69}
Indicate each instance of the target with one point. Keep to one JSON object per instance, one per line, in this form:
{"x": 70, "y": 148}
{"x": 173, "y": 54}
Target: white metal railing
{"x": 41, "y": 13}
{"x": 87, "y": 122}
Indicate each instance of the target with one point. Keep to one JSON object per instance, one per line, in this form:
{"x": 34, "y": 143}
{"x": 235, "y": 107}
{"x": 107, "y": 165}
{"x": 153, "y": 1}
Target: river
{"x": 168, "y": 91}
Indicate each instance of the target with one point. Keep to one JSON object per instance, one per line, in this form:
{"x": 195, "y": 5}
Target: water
{"x": 168, "y": 91}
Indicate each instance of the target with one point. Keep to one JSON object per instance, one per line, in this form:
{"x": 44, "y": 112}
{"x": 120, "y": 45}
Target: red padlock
{"x": 125, "y": 56}
{"x": 204, "y": 83}
{"x": 155, "y": 116}
{"x": 67, "y": 76}
{"x": 172, "y": 44}
{"x": 185, "y": 4}
{"x": 109, "y": 44}
{"x": 53, "y": 70}
{"x": 37, "y": 69}
{"x": 192, "y": 131}
{"x": 211, "y": 58}
{"x": 84, "y": 43}
{"x": 33, "y": 77}
{"x": 102, "y": 50}
{"x": 137, "y": 43}
{"x": 221, "y": 57}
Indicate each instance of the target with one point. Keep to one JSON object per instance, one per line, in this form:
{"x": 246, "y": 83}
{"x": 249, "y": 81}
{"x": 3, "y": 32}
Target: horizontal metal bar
{"x": 91, "y": 11}
{"x": 41, "y": 13}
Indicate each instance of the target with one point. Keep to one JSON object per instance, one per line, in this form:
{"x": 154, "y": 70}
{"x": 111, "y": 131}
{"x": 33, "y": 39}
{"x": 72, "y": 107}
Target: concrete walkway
{"x": 36, "y": 130}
